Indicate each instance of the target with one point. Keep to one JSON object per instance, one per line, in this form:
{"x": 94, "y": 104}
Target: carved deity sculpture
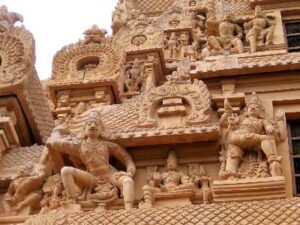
{"x": 260, "y": 30}
{"x": 251, "y": 132}
{"x": 8, "y": 19}
{"x": 23, "y": 193}
{"x": 172, "y": 46}
{"x": 101, "y": 182}
{"x": 135, "y": 77}
{"x": 230, "y": 35}
{"x": 169, "y": 181}
{"x": 94, "y": 35}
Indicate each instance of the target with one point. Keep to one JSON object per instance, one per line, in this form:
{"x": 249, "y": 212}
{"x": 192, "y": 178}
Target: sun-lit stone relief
{"x": 188, "y": 113}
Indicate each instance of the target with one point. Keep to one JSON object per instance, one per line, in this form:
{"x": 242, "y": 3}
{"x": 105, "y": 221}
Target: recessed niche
{"x": 88, "y": 63}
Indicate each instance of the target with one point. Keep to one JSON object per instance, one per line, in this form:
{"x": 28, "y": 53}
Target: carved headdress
{"x": 255, "y": 100}
{"x": 95, "y": 116}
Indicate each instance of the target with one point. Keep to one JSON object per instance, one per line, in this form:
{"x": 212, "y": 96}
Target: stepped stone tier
{"x": 188, "y": 113}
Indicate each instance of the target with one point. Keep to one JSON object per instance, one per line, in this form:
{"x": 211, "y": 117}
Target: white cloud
{"x": 55, "y": 23}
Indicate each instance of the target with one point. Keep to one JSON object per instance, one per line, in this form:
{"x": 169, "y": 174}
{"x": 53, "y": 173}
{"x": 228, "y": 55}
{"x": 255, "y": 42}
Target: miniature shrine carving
{"x": 253, "y": 132}
{"x": 100, "y": 183}
{"x": 260, "y": 30}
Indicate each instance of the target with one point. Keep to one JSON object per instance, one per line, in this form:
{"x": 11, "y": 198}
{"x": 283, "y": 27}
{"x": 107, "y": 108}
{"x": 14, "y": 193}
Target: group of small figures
{"x": 257, "y": 33}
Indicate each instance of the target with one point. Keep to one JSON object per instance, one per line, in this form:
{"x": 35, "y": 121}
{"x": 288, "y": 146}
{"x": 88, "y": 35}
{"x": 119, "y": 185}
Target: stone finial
{"x": 8, "y": 19}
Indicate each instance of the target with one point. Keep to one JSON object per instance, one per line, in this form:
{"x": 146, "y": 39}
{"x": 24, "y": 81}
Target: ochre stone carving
{"x": 179, "y": 86}
{"x": 8, "y": 19}
{"x": 23, "y": 194}
{"x": 135, "y": 79}
{"x": 152, "y": 82}
{"x": 100, "y": 183}
{"x": 168, "y": 183}
{"x": 53, "y": 194}
{"x": 252, "y": 131}
{"x": 172, "y": 46}
{"x": 230, "y": 35}
{"x": 260, "y": 30}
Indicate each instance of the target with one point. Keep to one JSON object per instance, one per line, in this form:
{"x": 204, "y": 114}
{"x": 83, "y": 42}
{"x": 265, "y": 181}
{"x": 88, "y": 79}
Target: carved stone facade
{"x": 188, "y": 113}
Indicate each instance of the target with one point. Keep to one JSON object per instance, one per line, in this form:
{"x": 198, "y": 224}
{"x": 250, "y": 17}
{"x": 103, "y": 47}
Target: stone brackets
{"x": 249, "y": 189}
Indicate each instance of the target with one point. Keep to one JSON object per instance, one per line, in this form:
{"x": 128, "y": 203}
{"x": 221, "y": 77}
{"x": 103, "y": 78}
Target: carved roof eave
{"x": 253, "y": 3}
{"x": 277, "y": 210}
{"x": 56, "y": 85}
{"x": 246, "y": 65}
{"x": 13, "y": 160}
{"x": 207, "y": 132}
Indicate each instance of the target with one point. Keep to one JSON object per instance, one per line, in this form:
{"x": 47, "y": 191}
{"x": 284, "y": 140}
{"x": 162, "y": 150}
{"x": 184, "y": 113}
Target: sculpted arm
{"x": 64, "y": 146}
{"x": 122, "y": 155}
{"x": 239, "y": 31}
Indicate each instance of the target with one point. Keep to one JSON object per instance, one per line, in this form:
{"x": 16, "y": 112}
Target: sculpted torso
{"x": 171, "y": 179}
{"x": 95, "y": 156}
{"x": 259, "y": 23}
{"x": 252, "y": 125}
{"x": 226, "y": 29}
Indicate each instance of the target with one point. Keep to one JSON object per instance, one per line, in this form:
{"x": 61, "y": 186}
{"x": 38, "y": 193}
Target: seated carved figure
{"x": 169, "y": 181}
{"x": 23, "y": 193}
{"x": 259, "y": 31}
{"x": 251, "y": 131}
{"x": 230, "y": 35}
{"x": 100, "y": 182}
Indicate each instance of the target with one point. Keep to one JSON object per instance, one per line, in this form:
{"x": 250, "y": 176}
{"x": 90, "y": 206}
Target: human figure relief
{"x": 169, "y": 181}
{"x": 8, "y": 19}
{"x": 260, "y": 30}
{"x": 230, "y": 35}
{"x": 172, "y": 46}
{"x": 251, "y": 131}
{"x": 100, "y": 182}
{"x": 23, "y": 193}
{"x": 53, "y": 189}
{"x": 135, "y": 77}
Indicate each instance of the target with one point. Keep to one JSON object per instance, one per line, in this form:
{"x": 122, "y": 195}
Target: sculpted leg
{"x": 75, "y": 181}
{"x": 128, "y": 192}
{"x": 31, "y": 200}
{"x": 252, "y": 40}
{"x": 234, "y": 156}
{"x": 269, "y": 148}
{"x": 238, "y": 44}
{"x": 213, "y": 41}
{"x": 67, "y": 177}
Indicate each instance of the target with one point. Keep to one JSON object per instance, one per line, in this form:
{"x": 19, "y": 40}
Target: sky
{"x": 56, "y": 23}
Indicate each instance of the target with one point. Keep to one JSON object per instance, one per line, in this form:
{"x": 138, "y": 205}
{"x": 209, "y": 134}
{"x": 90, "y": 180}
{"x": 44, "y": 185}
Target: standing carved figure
{"x": 8, "y": 19}
{"x": 259, "y": 31}
{"x": 101, "y": 182}
{"x": 135, "y": 77}
{"x": 252, "y": 131}
{"x": 230, "y": 35}
{"x": 172, "y": 45}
